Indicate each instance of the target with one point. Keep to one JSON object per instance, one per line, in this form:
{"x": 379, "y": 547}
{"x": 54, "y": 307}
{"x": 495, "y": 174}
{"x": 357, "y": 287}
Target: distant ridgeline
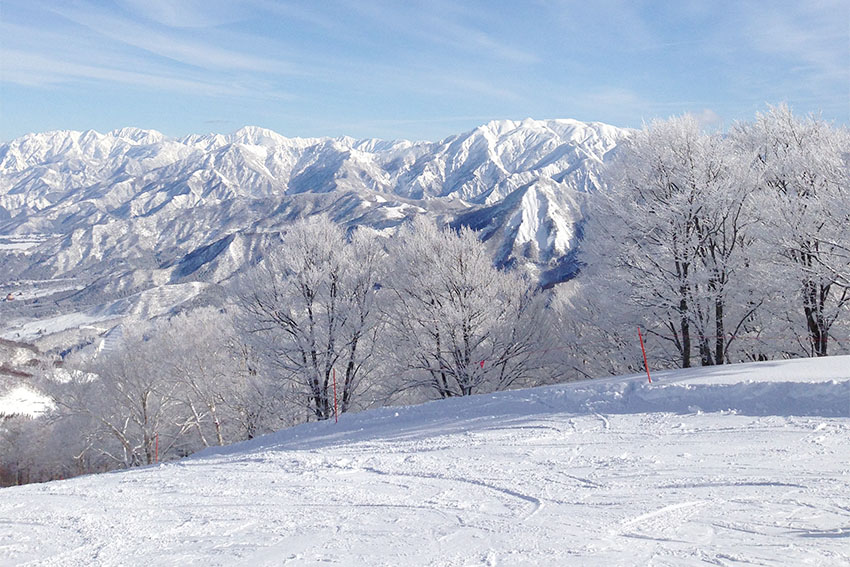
{"x": 116, "y": 204}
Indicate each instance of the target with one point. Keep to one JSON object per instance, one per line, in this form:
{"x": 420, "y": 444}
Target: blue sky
{"x": 409, "y": 69}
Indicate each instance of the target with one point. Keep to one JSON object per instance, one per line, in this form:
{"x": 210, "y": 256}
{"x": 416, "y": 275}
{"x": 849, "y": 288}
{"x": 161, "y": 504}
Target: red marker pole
{"x": 643, "y": 350}
{"x": 336, "y": 408}
{"x": 156, "y": 448}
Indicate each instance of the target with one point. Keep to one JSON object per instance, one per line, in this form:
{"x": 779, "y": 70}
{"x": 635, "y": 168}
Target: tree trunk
{"x": 705, "y": 352}
{"x": 815, "y": 299}
{"x": 719, "y": 332}
{"x": 685, "y": 329}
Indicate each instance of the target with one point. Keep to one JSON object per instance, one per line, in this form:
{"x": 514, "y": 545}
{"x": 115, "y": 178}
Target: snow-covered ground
{"x": 21, "y": 243}
{"x": 146, "y": 305}
{"x": 21, "y": 400}
{"x": 24, "y": 290}
{"x": 740, "y": 465}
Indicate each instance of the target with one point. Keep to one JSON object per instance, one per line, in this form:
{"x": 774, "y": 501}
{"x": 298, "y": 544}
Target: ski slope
{"x": 738, "y": 465}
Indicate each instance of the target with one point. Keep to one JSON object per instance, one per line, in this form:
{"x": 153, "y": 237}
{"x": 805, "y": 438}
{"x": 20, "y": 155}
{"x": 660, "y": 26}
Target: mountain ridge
{"x": 134, "y": 205}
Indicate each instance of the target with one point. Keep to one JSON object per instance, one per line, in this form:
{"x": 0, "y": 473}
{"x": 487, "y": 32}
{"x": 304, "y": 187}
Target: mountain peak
{"x": 258, "y": 136}
{"x": 138, "y": 135}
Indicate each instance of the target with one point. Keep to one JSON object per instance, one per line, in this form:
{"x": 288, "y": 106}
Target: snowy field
{"x": 25, "y": 290}
{"x": 23, "y": 401}
{"x": 18, "y": 244}
{"x": 145, "y": 304}
{"x": 742, "y": 465}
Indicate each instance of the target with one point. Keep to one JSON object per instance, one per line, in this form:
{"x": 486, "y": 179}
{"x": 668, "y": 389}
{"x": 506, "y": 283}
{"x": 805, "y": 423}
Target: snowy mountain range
{"x": 132, "y": 211}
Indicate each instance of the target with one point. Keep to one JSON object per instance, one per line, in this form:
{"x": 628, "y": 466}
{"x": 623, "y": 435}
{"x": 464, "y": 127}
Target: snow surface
{"x": 740, "y": 465}
{"x": 146, "y": 304}
{"x": 34, "y": 289}
{"x": 20, "y": 244}
{"x": 24, "y": 401}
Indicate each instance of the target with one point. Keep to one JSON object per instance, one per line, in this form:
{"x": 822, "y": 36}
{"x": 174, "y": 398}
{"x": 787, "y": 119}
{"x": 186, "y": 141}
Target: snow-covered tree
{"x": 170, "y": 386}
{"x": 672, "y": 232}
{"x": 132, "y": 403}
{"x": 806, "y": 197}
{"x": 310, "y": 306}
{"x": 45, "y": 447}
{"x": 595, "y": 336}
{"x": 219, "y": 394}
{"x": 20, "y": 450}
{"x": 459, "y": 325}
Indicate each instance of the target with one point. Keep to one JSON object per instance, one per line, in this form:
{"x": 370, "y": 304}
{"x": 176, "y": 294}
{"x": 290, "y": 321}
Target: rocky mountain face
{"x": 132, "y": 211}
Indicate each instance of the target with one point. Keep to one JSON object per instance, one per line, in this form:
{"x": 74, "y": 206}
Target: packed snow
{"x": 744, "y": 464}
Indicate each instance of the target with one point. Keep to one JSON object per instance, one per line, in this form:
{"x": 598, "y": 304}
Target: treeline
{"x": 721, "y": 247}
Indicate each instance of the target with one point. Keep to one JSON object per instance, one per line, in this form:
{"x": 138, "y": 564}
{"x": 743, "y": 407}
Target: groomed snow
{"x": 741, "y": 465}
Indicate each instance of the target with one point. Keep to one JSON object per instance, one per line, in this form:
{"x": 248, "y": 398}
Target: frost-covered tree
{"x": 671, "y": 234}
{"x": 21, "y": 453}
{"x": 595, "y": 337}
{"x": 310, "y": 307}
{"x": 45, "y": 447}
{"x": 220, "y": 396}
{"x": 170, "y": 387}
{"x": 132, "y": 403}
{"x": 806, "y": 197}
{"x": 458, "y": 325}
{"x": 726, "y": 289}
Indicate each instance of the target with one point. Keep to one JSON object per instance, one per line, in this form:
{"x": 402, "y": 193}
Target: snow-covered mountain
{"x": 131, "y": 210}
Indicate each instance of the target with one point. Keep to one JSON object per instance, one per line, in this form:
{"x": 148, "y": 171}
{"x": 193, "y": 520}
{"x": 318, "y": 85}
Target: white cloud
{"x": 32, "y": 69}
{"x": 440, "y": 23}
{"x": 187, "y": 13}
{"x": 708, "y": 119}
{"x": 813, "y": 34}
{"x": 205, "y": 54}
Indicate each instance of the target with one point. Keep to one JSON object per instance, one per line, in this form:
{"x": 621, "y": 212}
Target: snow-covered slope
{"x": 22, "y": 400}
{"x": 744, "y": 464}
{"x": 18, "y": 363}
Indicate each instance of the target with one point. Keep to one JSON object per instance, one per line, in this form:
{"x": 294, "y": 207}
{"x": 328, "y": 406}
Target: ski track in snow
{"x": 509, "y": 479}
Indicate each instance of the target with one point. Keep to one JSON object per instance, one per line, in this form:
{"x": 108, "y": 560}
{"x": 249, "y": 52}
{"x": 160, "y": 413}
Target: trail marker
{"x": 643, "y": 350}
